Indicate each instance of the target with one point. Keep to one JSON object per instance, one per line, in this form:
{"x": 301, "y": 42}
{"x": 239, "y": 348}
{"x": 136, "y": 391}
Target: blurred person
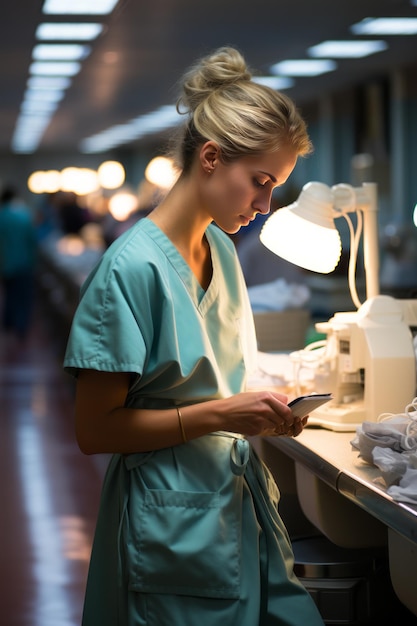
{"x": 18, "y": 251}
{"x": 70, "y": 214}
{"x": 45, "y": 217}
{"x": 163, "y": 338}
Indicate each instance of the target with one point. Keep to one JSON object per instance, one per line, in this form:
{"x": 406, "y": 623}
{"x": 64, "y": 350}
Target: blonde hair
{"x": 243, "y": 117}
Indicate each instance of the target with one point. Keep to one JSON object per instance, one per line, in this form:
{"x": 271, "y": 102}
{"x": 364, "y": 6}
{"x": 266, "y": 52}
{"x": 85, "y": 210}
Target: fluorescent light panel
{"x": 386, "y": 26}
{"x": 347, "y": 49}
{"x": 303, "y": 67}
{"x": 48, "y": 82}
{"x": 274, "y": 82}
{"x": 60, "y": 52}
{"x": 79, "y": 7}
{"x": 45, "y": 95}
{"x": 28, "y": 132}
{"x": 68, "y": 31}
{"x": 157, "y": 121}
{"x": 48, "y": 79}
{"x": 41, "y": 68}
{"x": 39, "y": 106}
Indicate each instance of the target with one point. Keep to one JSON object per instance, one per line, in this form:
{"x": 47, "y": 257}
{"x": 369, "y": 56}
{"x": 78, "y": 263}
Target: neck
{"x": 181, "y": 218}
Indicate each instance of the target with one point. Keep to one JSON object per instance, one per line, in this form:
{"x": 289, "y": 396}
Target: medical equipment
{"x": 367, "y": 362}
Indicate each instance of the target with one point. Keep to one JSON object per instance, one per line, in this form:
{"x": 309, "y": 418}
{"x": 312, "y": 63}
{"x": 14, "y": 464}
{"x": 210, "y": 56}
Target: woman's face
{"x": 236, "y": 192}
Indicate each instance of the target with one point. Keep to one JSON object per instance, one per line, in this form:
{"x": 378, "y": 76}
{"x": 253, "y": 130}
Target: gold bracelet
{"x": 184, "y": 438}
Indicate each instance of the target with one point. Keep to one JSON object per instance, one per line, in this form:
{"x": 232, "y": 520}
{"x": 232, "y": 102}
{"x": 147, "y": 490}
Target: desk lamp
{"x": 368, "y": 359}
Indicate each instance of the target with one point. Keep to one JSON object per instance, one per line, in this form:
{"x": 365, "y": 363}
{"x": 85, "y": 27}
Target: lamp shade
{"x": 304, "y": 232}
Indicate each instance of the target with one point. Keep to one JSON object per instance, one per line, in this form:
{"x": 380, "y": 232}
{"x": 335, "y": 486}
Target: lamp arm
{"x": 355, "y": 237}
{"x": 369, "y": 207}
{"x": 366, "y": 201}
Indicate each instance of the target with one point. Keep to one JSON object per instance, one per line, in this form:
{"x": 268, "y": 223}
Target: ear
{"x": 209, "y": 156}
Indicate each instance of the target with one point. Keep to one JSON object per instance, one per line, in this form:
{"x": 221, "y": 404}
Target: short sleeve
{"x": 111, "y": 321}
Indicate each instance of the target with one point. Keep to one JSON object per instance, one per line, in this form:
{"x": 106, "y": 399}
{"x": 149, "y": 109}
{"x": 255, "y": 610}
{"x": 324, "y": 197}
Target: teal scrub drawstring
{"x": 239, "y": 456}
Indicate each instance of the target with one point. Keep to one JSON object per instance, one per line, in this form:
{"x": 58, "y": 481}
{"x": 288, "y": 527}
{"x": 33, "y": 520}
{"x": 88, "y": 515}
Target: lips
{"x": 247, "y": 219}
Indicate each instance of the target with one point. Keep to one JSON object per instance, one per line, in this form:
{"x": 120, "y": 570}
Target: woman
{"x": 188, "y": 530}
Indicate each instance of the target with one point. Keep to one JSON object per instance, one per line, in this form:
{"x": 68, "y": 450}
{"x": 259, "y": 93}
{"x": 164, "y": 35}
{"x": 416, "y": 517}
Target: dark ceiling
{"x": 147, "y": 44}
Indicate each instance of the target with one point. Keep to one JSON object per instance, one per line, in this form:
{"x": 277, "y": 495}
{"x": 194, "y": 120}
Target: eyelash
{"x": 258, "y": 184}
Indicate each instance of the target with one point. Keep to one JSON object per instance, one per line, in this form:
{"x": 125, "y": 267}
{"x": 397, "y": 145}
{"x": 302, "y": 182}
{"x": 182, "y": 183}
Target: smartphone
{"x": 303, "y": 405}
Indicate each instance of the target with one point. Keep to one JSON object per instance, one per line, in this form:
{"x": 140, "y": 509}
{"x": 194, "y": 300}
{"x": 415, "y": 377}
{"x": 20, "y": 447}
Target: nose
{"x": 262, "y": 202}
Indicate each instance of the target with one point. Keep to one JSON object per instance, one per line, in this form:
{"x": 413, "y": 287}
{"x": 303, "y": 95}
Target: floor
{"x": 49, "y": 490}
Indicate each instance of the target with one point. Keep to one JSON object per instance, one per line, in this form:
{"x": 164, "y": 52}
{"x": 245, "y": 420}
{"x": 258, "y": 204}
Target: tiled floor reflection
{"x": 49, "y": 491}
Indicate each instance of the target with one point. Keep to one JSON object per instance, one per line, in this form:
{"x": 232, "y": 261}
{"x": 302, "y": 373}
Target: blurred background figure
{"x": 71, "y": 215}
{"x": 18, "y": 247}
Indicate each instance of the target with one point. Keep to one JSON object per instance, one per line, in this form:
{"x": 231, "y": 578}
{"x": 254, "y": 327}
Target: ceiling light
{"x": 60, "y": 52}
{"x": 44, "y": 181}
{"x": 111, "y": 174}
{"x": 38, "y": 106}
{"x": 161, "y": 172}
{"x": 28, "y": 132}
{"x": 79, "y": 7}
{"x": 303, "y": 67}
{"x": 48, "y": 82}
{"x": 45, "y": 95}
{"x": 122, "y": 205}
{"x": 68, "y": 31}
{"x": 347, "y": 49}
{"x": 386, "y": 26}
{"x": 107, "y": 139}
{"x": 157, "y": 121}
{"x": 274, "y": 82}
{"x": 164, "y": 117}
{"x": 54, "y": 69}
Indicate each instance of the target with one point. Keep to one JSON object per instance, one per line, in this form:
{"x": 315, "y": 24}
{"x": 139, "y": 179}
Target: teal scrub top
{"x": 143, "y": 311}
{"x": 18, "y": 243}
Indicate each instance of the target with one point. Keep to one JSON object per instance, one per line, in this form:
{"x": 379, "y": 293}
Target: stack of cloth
{"x": 278, "y": 295}
{"x": 391, "y": 445}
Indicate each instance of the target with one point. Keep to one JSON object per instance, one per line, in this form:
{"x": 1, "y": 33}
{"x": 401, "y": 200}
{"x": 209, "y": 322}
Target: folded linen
{"x": 391, "y": 445}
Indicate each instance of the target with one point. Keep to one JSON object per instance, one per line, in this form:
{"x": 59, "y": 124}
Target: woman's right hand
{"x": 261, "y": 412}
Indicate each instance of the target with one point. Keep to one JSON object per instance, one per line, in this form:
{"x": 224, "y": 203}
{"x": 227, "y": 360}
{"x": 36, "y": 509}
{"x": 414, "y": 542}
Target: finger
{"x": 280, "y": 408}
{"x": 281, "y": 397}
{"x": 297, "y": 428}
{"x": 271, "y": 432}
{"x": 280, "y": 428}
{"x": 292, "y": 430}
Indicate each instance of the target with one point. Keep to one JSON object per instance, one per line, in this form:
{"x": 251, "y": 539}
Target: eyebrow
{"x": 274, "y": 180}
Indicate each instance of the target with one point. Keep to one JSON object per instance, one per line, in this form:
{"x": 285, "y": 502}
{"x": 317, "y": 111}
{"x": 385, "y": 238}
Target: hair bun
{"x": 240, "y": 115}
{"x": 224, "y": 67}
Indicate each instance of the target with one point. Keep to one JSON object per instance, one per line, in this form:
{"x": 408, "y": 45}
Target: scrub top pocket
{"x": 186, "y": 545}
{"x": 184, "y": 540}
